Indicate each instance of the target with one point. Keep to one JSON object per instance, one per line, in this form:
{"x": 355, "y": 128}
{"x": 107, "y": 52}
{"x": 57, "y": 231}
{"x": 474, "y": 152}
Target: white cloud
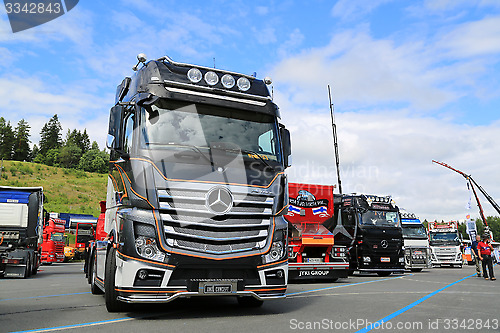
{"x": 447, "y": 5}
{"x": 265, "y": 35}
{"x": 295, "y": 39}
{"x": 477, "y": 38}
{"x": 36, "y": 101}
{"x": 353, "y": 9}
{"x": 364, "y": 71}
{"x": 390, "y": 152}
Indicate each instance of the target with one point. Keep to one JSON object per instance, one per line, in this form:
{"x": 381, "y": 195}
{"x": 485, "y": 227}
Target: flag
{"x": 293, "y": 209}
{"x": 320, "y": 210}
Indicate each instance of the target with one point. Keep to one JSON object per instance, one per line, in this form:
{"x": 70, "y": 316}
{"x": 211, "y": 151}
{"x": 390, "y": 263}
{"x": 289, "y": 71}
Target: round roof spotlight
{"x": 243, "y": 84}
{"x": 194, "y": 75}
{"x": 211, "y": 78}
{"x": 268, "y": 80}
{"x": 141, "y": 57}
{"x": 228, "y": 81}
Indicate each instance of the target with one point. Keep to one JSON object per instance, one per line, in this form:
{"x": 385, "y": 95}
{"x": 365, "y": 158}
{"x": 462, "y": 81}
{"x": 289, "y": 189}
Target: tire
{"x": 94, "y": 289}
{"x": 112, "y": 304}
{"x": 384, "y": 274}
{"x": 249, "y": 302}
{"x": 416, "y": 269}
{"x": 334, "y": 279}
{"x": 35, "y": 266}
{"x": 27, "y": 268}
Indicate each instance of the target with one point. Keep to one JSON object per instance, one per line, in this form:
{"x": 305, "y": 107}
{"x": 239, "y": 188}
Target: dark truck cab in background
{"x": 370, "y": 227}
{"x": 196, "y": 189}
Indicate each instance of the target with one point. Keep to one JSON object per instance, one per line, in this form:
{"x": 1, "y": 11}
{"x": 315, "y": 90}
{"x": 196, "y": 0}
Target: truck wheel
{"x": 249, "y": 302}
{"x": 35, "y": 266}
{"x": 112, "y": 304}
{"x": 383, "y": 274}
{"x": 27, "y": 268}
{"x": 94, "y": 289}
{"x": 334, "y": 279}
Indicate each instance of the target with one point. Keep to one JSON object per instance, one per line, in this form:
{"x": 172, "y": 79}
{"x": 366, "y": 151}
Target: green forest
{"x": 74, "y": 151}
{"x": 71, "y": 169}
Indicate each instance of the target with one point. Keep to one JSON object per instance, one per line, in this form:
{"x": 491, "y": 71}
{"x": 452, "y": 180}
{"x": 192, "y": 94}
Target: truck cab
{"x": 370, "y": 227}
{"x": 53, "y": 241}
{"x": 313, "y": 253}
{"x": 445, "y": 242}
{"x": 196, "y": 188}
{"x": 21, "y": 221}
{"x": 416, "y": 243}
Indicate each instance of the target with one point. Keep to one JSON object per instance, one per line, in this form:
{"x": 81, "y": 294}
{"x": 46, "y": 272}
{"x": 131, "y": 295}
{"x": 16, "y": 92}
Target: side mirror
{"x": 286, "y": 143}
{"x": 115, "y": 127}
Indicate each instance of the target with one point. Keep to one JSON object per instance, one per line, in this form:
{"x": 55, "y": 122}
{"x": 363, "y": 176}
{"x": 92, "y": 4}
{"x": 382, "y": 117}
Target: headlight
{"x": 367, "y": 259}
{"x": 243, "y": 84}
{"x": 194, "y": 75}
{"x": 228, "y": 81}
{"x": 211, "y": 78}
{"x": 146, "y": 248}
{"x": 278, "y": 250}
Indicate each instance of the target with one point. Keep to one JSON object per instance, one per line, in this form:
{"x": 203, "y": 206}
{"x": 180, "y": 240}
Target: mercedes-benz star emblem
{"x": 219, "y": 200}
{"x": 384, "y": 244}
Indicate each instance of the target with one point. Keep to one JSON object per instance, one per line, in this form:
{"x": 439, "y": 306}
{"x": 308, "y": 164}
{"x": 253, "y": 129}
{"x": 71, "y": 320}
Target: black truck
{"x": 196, "y": 189}
{"x": 21, "y": 230}
{"x": 370, "y": 226}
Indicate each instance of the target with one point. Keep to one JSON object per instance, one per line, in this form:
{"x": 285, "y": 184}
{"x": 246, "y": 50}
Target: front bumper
{"x": 171, "y": 282}
{"x": 302, "y": 271}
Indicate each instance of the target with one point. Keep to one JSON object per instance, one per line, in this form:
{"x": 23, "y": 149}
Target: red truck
{"x": 100, "y": 235}
{"x": 311, "y": 249}
{"x": 53, "y": 241}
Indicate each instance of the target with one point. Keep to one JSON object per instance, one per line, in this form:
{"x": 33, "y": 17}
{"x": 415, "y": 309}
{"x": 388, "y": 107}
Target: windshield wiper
{"x": 245, "y": 151}
{"x": 193, "y": 147}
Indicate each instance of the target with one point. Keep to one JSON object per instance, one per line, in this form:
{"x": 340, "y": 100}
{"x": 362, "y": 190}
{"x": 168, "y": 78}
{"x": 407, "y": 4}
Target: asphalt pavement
{"x": 434, "y": 300}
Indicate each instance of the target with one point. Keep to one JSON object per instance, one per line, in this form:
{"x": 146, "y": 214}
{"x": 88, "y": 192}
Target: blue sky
{"x": 412, "y": 80}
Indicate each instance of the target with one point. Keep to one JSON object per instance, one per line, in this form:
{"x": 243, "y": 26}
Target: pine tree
{"x": 50, "y": 135}
{"x": 22, "y": 150}
{"x": 6, "y": 139}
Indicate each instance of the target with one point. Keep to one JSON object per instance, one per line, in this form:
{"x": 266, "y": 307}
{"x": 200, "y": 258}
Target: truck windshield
{"x": 444, "y": 238}
{"x": 380, "y": 218}
{"x": 414, "y": 231}
{"x": 57, "y": 237}
{"x": 173, "y": 124}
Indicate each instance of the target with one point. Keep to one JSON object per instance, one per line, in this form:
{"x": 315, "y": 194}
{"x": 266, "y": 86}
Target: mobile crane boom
{"x": 473, "y": 183}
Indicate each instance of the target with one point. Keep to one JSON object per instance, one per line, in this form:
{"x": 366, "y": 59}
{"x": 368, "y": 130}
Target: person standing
{"x": 475, "y": 253}
{"x": 484, "y": 251}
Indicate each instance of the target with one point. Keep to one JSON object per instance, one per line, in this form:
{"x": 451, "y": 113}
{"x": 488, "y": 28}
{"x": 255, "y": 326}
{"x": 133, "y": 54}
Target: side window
{"x": 129, "y": 133}
{"x": 266, "y": 142}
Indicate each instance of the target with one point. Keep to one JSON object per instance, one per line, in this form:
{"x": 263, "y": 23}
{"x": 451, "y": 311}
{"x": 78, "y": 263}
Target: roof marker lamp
{"x": 211, "y": 78}
{"x": 228, "y": 81}
{"x": 243, "y": 84}
{"x": 194, "y": 75}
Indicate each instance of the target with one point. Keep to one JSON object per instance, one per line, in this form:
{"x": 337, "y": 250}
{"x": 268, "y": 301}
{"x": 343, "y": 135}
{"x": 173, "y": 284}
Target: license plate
{"x": 418, "y": 252}
{"x": 210, "y": 288}
{"x": 314, "y": 260}
{"x": 385, "y": 259}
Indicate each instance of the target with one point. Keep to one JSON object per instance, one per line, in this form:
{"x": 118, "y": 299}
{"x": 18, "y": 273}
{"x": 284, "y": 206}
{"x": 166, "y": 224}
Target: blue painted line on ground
{"x": 346, "y": 285}
{"x": 59, "y": 328}
{"x": 378, "y": 324}
{"x": 44, "y": 296}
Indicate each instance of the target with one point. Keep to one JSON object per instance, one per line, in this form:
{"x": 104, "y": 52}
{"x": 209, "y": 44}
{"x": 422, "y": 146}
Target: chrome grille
{"x": 188, "y": 223}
